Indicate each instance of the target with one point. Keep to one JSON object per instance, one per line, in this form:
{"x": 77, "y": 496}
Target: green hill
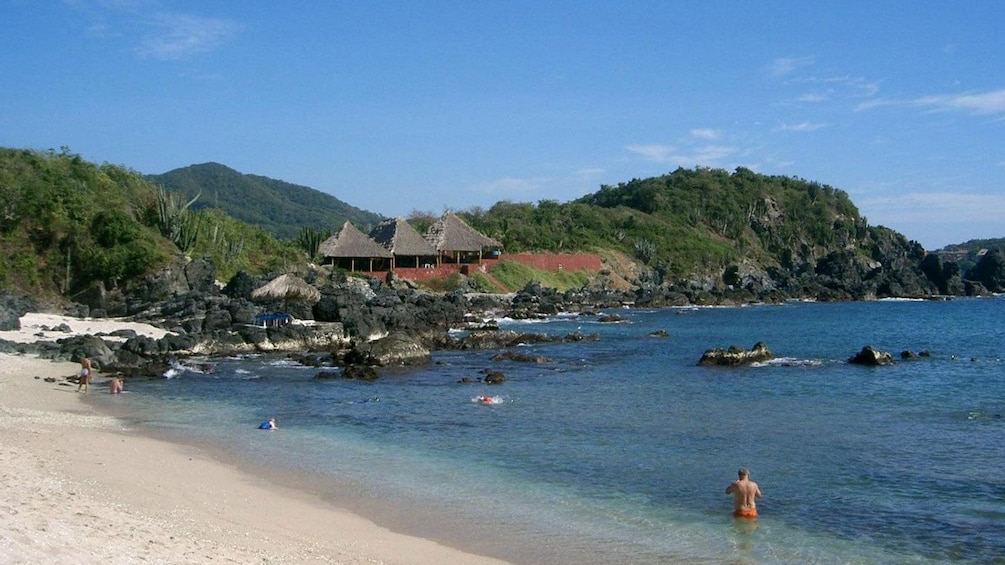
{"x": 693, "y": 220}
{"x": 69, "y": 226}
{"x": 279, "y": 207}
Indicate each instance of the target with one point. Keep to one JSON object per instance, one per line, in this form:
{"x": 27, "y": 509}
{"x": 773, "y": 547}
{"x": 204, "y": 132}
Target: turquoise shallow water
{"x": 618, "y": 451}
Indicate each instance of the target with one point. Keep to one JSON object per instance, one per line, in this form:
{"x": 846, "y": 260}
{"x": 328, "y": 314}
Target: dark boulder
{"x": 11, "y": 310}
{"x": 360, "y": 373}
{"x": 736, "y": 356}
{"x": 75, "y": 348}
{"x": 179, "y": 342}
{"x": 520, "y": 357}
{"x": 242, "y": 312}
{"x": 508, "y": 338}
{"x": 493, "y": 377}
{"x": 241, "y": 285}
{"x": 217, "y": 318}
{"x": 871, "y": 357}
{"x": 200, "y": 274}
{"x": 397, "y": 349}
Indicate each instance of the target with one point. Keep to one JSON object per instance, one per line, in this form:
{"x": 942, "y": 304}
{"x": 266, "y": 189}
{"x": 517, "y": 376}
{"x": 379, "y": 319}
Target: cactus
{"x": 172, "y": 216}
{"x": 310, "y": 239}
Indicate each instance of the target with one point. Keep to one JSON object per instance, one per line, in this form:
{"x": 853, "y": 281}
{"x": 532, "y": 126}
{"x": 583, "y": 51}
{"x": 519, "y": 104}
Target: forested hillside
{"x": 273, "y": 205}
{"x": 710, "y": 232}
{"x": 68, "y": 225}
{"x": 693, "y": 220}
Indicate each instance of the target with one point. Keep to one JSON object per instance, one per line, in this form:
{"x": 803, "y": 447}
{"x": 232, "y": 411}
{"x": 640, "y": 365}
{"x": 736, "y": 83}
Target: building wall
{"x": 543, "y": 261}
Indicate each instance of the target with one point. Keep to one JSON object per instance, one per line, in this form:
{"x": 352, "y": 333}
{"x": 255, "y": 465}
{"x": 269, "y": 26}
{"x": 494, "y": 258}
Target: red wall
{"x": 542, "y": 261}
{"x": 558, "y": 261}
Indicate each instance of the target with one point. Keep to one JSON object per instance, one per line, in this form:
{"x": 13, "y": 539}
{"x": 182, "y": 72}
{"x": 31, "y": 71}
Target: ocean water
{"x": 619, "y": 450}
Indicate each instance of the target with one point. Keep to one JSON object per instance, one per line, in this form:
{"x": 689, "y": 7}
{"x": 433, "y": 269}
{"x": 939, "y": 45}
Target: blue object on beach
{"x": 273, "y": 319}
{"x": 265, "y": 426}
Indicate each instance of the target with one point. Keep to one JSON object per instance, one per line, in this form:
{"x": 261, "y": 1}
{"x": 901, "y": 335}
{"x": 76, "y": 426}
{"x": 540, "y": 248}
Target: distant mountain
{"x": 974, "y": 246}
{"x": 279, "y": 207}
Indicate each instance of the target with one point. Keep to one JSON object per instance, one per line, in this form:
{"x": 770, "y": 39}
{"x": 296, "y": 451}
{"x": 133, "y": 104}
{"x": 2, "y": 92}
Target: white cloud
{"x": 154, "y": 32}
{"x": 981, "y": 104}
{"x": 937, "y": 219}
{"x": 709, "y": 155}
{"x": 706, "y": 133}
{"x": 506, "y": 186}
{"x": 937, "y": 206}
{"x": 988, "y": 103}
{"x": 812, "y": 98}
{"x": 801, "y": 127}
{"x": 179, "y": 36}
{"x": 855, "y": 86}
{"x": 783, "y": 66}
{"x": 653, "y": 152}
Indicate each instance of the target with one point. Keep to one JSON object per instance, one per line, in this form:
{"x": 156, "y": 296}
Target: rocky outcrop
{"x": 507, "y": 338}
{"x": 397, "y": 349}
{"x": 360, "y": 373}
{"x": 871, "y": 357}
{"x": 520, "y": 357}
{"x": 736, "y": 356}
{"x": 11, "y": 310}
{"x": 990, "y": 271}
{"x": 493, "y": 377}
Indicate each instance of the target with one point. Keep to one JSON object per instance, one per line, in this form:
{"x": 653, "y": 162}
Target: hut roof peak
{"x": 350, "y": 242}
{"x": 451, "y": 233}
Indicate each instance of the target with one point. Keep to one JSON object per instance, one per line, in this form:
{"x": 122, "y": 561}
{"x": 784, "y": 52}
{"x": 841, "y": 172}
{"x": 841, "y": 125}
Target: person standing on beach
{"x": 85, "y": 374}
{"x": 744, "y": 492}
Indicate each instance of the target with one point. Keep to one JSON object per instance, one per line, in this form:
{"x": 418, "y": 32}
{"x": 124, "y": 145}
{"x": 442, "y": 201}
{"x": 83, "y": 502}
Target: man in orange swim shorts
{"x": 744, "y": 492}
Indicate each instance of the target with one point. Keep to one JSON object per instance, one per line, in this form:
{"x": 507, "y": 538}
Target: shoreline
{"x": 81, "y": 487}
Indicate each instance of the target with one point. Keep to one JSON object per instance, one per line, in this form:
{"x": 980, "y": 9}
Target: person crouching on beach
{"x": 270, "y": 424}
{"x": 115, "y": 385}
{"x": 744, "y": 492}
{"x": 85, "y": 374}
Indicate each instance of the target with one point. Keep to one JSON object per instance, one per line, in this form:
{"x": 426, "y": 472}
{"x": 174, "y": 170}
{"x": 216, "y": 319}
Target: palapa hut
{"x": 286, "y": 288}
{"x": 457, "y": 242}
{"x": 351, "y": 249}
{"x": 408, "y": 248}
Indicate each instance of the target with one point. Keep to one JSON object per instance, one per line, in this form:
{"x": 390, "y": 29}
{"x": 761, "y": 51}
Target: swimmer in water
{"x": 744, "y": 492}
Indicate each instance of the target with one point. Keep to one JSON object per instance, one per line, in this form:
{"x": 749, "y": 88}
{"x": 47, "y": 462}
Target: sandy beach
{"x": 79, "y": 487}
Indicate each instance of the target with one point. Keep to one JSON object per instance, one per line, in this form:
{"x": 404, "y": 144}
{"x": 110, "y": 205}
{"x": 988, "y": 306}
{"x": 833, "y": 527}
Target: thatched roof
{"x": 450, "y": 233}
{"x": 400, "y": 238}
{"x": 350, "y": 242}
{"x": 288, "y": 288}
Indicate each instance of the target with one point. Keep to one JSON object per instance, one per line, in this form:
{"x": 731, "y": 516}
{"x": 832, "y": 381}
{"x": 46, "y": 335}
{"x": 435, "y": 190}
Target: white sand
{"x": 32, "y": 325}
{"x": 79, "y": 488}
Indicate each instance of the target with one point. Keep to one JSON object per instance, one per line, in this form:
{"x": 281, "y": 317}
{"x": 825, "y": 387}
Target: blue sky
{"x": 434, "y": 105}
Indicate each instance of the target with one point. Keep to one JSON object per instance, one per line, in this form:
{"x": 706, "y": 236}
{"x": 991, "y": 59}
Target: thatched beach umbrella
{"x": 288, "y": 288}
